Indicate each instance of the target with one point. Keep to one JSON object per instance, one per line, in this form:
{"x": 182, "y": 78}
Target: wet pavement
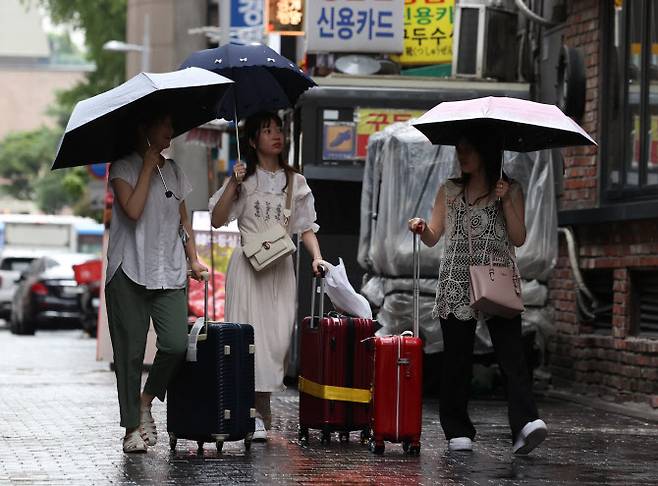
{"x": 59, "y": 425}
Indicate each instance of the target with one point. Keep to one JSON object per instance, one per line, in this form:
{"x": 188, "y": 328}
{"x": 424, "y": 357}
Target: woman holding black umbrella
{"x": 149, "y": 234}
{"x": 257, "y": 196}
{"x": 482, "y": 216}
{"x": 147, "y": 273}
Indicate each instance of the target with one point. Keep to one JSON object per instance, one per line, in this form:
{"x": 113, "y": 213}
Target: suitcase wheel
{"x": 172, "y": 442}
{"x": 376, "y": 447}
{"x": 303, "y": 435}
{"x": 412, "y": 449}
{"x": 344, "y": 437}
{"x": 199, "y": 447}
{"x": 247, "y": 443}
{"x": 325, "y": 439}
{"x": 219, "y": 444}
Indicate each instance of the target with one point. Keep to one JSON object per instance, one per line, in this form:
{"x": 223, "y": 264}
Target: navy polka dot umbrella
{"x": 263, "y": 79}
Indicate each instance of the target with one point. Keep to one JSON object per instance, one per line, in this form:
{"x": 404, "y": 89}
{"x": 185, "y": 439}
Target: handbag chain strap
{"x": 468, "y": 229}
{"x": 515, "y": 268}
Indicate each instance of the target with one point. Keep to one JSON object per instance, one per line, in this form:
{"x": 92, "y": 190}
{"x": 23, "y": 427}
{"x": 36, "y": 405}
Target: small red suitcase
{"x": 335, "y": 377}
{"x": 398, "y": 383}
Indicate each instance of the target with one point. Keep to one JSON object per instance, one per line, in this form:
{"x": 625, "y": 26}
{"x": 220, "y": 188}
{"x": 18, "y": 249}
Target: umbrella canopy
{"x": 101, "y": 128}
{"x": 264, "y": 79}
{"x": 523, "y": 126}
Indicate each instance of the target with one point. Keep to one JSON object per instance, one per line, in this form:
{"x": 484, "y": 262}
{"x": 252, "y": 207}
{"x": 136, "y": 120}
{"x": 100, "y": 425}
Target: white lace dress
{"x": 266, "y": 299}
{"x": 489, "y": 239}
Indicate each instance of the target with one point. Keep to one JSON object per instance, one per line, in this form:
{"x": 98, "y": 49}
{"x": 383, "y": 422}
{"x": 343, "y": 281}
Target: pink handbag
{"x": 495, "y": 290}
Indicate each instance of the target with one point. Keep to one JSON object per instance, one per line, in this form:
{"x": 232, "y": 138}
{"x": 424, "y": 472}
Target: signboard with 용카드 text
{"x": 428, "y": 29}
{"x": 354, "y": 25}
{"x": 285, "y": 17}
{"x": 372, "y": 120}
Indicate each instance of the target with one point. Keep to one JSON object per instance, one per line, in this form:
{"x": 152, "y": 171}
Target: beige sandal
{"x": 147, "y": 427}
{"x": 133, "y": 442}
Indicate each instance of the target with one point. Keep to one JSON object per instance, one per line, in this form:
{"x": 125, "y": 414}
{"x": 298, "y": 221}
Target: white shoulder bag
{"x": 266, "y": 247}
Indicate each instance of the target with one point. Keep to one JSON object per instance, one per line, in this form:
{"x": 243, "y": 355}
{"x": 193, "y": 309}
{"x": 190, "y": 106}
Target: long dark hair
{"x": 252, "y": 127}
{"x": 490, "y": 149}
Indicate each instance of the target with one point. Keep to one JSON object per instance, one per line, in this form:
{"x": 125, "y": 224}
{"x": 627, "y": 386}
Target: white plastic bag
{"x": 341, "y": 293}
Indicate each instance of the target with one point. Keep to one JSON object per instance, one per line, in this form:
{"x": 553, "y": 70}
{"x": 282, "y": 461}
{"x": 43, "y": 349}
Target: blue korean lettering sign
{"x": 342, "y": 25}
{"x": 247, "y": 19}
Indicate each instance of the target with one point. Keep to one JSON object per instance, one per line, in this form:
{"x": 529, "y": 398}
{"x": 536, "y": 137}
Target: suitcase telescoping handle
{"x": 416, "y": 285}
{"x": 205, "y": 276}
{"x": 318, "y": 288}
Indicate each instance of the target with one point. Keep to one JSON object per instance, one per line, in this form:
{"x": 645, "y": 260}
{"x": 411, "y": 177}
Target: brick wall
{"x": 622, "y": 363}
{"x": 580, "y": 163}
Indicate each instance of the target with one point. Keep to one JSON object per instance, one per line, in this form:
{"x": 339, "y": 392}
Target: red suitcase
{"x": 335, "y": 377}
{"x": 398, "y": 383}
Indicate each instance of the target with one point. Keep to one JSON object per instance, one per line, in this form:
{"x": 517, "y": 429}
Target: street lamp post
{"x": 144, "y": 47}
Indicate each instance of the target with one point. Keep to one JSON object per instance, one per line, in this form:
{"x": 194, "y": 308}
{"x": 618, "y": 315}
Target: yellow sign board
{"x": 428, "y": 27}
{"x": 372, "y": 120}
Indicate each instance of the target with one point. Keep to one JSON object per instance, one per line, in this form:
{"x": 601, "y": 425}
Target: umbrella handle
{"x": 235, "y": 121}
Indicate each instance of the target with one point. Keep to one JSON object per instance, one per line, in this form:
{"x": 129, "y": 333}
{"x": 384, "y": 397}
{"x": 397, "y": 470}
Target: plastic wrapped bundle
{"x": 402, "y": 175}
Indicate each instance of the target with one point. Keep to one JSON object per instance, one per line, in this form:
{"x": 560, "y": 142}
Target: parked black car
{"x": 47, "y": 294}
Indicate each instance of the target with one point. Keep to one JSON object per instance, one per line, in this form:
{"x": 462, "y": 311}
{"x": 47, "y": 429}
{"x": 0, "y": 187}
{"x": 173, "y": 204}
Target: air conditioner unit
{"x": 485, "y": 42}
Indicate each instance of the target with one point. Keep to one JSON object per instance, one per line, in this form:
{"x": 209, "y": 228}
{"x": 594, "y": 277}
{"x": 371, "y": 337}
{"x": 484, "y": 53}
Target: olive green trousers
{"x": 130, "y": 307}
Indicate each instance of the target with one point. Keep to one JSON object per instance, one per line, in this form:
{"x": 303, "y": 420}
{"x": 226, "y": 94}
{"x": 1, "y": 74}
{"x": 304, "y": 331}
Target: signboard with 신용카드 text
{"x": 428, "y": 29}
{"x": 372, "y": 120}
{"x": 354, "y": 25}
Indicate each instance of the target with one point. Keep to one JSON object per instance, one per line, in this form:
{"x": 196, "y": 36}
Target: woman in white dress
{"x": 255, "y": 195}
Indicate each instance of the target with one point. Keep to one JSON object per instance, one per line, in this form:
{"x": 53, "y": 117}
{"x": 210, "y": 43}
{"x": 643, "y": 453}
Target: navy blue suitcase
{"x": 212, "y": 399}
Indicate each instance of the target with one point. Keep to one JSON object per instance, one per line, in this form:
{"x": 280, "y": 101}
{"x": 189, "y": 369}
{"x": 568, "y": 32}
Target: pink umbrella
{"x": 522, "y": 125}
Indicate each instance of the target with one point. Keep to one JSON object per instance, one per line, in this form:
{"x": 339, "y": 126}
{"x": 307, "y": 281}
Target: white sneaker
{"x": 260, "y": 434}
{"x": 531, "y": 435}
{"x": 460, "y": 444}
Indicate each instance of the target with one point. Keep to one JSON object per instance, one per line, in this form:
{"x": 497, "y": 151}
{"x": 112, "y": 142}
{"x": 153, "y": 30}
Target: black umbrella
{"x": 100, "y": 128}
{"x": 264, "y": 80}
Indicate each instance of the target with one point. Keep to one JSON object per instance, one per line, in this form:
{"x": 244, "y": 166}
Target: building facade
{"x": 29, "y": 78}
{"x": 605, "y": 285}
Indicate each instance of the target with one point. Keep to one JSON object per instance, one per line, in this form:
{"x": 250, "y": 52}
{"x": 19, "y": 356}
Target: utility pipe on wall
{"x": 532, "y": 15}
{"x": 581, "y": 287}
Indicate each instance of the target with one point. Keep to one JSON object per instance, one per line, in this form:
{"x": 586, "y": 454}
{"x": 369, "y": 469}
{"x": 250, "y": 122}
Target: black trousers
{"x": 457, "y": 371}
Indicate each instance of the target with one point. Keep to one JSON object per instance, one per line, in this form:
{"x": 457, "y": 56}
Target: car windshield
{"x": 61, "y": 265}
{"x": 69, "y": 259}
{"x": 16, "y": 264}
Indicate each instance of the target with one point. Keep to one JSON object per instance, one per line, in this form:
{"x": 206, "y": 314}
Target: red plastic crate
{"x": 88, "y": 272}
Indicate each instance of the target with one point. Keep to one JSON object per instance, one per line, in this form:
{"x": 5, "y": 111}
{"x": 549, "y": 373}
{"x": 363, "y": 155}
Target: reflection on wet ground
{"x": 58, "y": 425}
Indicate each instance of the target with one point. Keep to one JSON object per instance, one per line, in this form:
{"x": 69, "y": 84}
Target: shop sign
{"x": 428, "y": 27}
{"x": 373, "y": 120}
{"x": 247, "y": 20}
{"x": 285, "y": 17}
{"x": 354, "y": 25}
{"x": 338, "y": 140}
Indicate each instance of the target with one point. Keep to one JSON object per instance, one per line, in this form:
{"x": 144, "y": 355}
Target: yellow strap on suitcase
{"x": 327, "y": 392}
